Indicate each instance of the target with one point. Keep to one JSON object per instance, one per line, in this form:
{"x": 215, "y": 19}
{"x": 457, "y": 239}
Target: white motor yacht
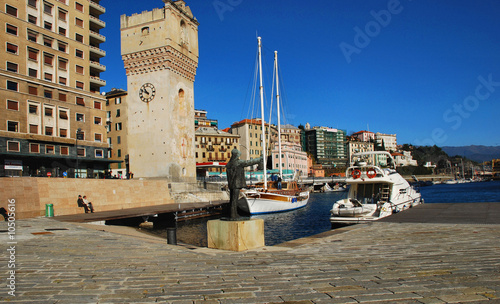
{"x": 376, "y": 190}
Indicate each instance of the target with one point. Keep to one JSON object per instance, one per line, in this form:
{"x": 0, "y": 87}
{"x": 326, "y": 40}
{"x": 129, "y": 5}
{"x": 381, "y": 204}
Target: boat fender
{"x": 356, "y": 174}
{"x": 371, "y": 173}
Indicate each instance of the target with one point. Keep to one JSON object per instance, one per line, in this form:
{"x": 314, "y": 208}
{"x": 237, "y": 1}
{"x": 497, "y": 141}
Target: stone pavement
{"x": 382, "y": 262}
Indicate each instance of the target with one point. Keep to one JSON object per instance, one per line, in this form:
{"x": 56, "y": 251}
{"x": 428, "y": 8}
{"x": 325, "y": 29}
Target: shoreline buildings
{"x": 326, "y": 145}
{"x": 52, "y": 118}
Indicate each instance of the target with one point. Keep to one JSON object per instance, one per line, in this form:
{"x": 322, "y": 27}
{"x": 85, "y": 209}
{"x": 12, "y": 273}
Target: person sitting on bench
{"x": 81, "y": 203}
{"x": 89, "y": 204}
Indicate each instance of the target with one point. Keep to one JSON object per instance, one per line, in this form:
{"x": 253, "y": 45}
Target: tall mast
{"x": 278, "y": 106}
{"x": 261, "y": 89}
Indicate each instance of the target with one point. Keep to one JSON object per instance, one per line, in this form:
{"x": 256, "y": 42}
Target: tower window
{"x": 181, "y": 96}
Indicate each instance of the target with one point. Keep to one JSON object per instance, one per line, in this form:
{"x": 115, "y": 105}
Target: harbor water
{"x": 314, "y": 218}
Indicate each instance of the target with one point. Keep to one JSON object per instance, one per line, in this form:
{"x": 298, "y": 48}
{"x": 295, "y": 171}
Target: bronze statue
{"x": 235, "y": 170}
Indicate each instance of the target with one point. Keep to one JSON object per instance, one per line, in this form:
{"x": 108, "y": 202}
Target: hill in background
{"x": 476, "y": 153}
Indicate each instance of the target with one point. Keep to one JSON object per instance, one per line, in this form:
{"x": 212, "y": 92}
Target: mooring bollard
{"x": 172, "y": 236}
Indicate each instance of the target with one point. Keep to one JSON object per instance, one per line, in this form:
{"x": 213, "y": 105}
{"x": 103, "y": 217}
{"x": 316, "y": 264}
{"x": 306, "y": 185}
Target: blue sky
{"x": 426, "y": 70}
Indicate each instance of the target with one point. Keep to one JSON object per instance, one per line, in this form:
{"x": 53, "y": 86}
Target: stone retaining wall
{"x": 31, "y": 194}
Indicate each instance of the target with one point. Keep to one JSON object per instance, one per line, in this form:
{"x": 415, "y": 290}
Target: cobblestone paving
{"x": 59, "y": 262}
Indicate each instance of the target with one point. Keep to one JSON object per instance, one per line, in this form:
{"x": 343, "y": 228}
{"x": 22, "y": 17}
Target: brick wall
{"x": 32, "y": 193}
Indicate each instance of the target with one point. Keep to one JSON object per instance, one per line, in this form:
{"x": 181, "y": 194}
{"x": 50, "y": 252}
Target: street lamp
{"x": 78, "y": 134}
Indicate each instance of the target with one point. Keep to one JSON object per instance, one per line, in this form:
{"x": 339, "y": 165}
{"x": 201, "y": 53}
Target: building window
{"x": 49, "y": 149}
{"x": 79, "y": 38}
{"x": 80, "y": 101}
{"x": 34, "y": 148}
{"x": 62, "y": 31}
{"x": 32, "y": 54}
{"x": 13, "y": 146}
{"x": 47, "y": 25}
{"x": 12, "y": 67}
{"x": 62, "y": 80}
{"x": 12, "y": 86}
{"x": 97, "y": 105}
{"x": 12, "y": 48}
{"x": 62, "y": 15}
{"x": 118, "y": 100}
{"x": 33, "y": 129}
{"x": 32, "y": 3}
{"x": 80, "y": 117}
{"x": 79, "y": 22}
{"x": 11, "y": 29}
{"x": 33, "y": 90}
{"x": 79, "y": 69}
{"x": 13, "y": 105}
{"x": 98, "y": 137}
{"x": 12, "y": 126}
{"x": 11, "y": 10}
{"x": 64, "y": 151}
{"x": 32, "y": 73}
{"x": 49, "y": 112}
{"x": 47, "y": 8}
{"x": 118, "y": 126}
{"x": 79, "y": 53}
{"x": 119, "y": 153}
{"x": 99, "y": 153}
{"x": 79, "y": 7}
{"x": 63, "y": 114}
{"x": 118, "y": 139}
{"x": 63, "y": 64}
{"x": 62, "y": 46}
{"x": 62, "y": 97}
{"x": 80, "y": 152}
{"x": 32, "y": 19}
{"x": 48, "y": 59}
{"x": 117, "y": 112}
{"x": 49, "y": 131}
{"x": 33, "y": 109}
{"x": 63, "y": 133}
{"x": 47, "y": 76}
{"x": 47, "y": 41}
{"x": 79, "y": 85}
{"x": 47, "y": 94}
{"x": 97, "y": 120}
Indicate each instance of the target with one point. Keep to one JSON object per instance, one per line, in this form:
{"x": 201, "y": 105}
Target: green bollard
{"x": 49, "y": 210}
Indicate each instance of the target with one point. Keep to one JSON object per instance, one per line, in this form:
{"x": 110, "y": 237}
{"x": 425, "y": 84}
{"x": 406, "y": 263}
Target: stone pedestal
{"x": 235, "y": 235}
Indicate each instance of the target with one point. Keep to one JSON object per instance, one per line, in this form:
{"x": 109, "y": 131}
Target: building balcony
{"x": 96, "y": 9}
{"x": 97, "y": 81}
{"x": 96, "y": 38}
{"x": 97, "y": 66}
{"x": 96, "y": 22}
{"x": 97, "y": 51}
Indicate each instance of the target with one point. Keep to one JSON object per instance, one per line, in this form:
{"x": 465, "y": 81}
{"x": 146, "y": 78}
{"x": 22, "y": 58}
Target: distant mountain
{"x": 476, "y": 153}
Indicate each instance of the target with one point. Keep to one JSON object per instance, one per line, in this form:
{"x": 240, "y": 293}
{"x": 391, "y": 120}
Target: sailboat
{"x": 269, "y": 197}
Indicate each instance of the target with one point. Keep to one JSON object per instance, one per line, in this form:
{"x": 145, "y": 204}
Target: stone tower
{"x": 160, "y": 53}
